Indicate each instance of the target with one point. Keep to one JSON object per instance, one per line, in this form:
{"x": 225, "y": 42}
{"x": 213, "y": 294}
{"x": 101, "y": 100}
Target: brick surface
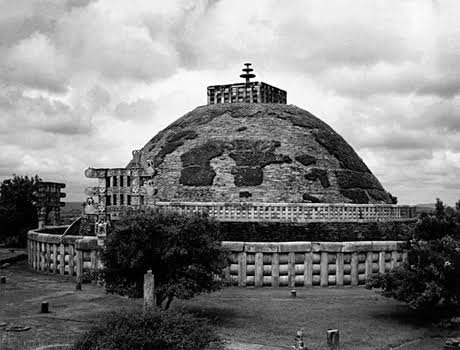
{"x": 276, "y": 139}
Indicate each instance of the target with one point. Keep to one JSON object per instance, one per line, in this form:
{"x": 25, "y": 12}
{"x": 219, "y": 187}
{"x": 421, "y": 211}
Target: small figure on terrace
{"x": 299, "y": 343}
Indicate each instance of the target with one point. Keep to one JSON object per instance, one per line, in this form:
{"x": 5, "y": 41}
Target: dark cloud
{"x": 22, "y": 113}
{"x": 444, "y": 86}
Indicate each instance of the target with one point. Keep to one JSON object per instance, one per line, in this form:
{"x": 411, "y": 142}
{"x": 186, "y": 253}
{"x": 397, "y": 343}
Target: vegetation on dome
{"x": 305, "y": 159}
{"x": 173, "y": 142}
{"x": 197, "y": 170}
{"x": 309, "y": 198}
{"x": 340, "y": 149}
{"x": 357, "y": 195}
{"x": 318, "y": 174}
{"x": 250, "y": 158}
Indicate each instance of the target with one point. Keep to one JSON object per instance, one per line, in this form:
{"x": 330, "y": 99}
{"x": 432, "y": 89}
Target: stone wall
{"x": 274, "y": 264}
{"x": 316, "y": 231}
{"x": 306, "y": 264}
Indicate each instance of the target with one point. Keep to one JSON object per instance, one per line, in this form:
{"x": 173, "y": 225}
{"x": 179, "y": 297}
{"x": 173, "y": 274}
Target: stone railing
{"x": 64, "y": 255}
{"x": 274, "y": 264}
{"x": 295, "y": 264}
{"x": 292, "y": 212}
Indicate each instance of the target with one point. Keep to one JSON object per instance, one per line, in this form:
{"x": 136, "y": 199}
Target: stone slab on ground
{"x": 71, "y": 312}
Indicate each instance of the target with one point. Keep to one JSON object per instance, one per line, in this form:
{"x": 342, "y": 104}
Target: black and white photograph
{"x": 229, "y": 175}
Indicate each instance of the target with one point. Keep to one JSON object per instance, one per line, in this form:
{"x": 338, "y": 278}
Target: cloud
{"x": 21, "y": 113}
{"x": 34, "y": 62}
{"x": 382, "y": 74}
{"x": 94, "y": 43}
{"x": 136, "y": 110}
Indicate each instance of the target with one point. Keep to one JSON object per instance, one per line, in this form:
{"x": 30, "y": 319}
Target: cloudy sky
{"x": 83, "y": 83}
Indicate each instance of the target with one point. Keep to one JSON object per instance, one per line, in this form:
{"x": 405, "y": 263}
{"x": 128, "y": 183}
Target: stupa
{"x": 247, "y": 152}
{"x": 296, "y": 205}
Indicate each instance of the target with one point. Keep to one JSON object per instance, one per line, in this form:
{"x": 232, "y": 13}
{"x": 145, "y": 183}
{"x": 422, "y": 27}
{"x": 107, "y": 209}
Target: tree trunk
{"x": 168, "y": 303}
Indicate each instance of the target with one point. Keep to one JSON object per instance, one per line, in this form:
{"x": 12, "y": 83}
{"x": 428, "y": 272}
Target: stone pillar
{"x": 41, "y": 217}
{"x": 333, "y": 339}
{"x": 149, "y": 291}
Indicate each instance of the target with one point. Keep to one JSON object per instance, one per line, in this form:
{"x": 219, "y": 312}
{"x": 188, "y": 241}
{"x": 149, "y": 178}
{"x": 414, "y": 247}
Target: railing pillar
{"x": 291, "y": 269}
{"x": 242, "y": 269}
{"x": 339, "y": 270}
{"x": 354, "y": 269}
{"x": 308, "y": 269}
{"x": 275, "y": 270}
{"x": 79, "y": 263}
{"x": 324, "y": 270}
{"x": 62, "y": 259}
{"x": 368, "y": 264}
{"x": 259, "y": 270}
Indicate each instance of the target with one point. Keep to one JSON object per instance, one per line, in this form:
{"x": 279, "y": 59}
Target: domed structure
{"x": 258, "y": 152}
{"x": 246, "y": 156}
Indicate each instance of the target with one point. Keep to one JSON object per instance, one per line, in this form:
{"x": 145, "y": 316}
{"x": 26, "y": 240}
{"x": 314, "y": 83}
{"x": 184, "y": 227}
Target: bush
{"x": 167, "y": 330}
{"x": 428, "y": 277}
{"x": 184, "y": 253}
{"x": 18, "y": 214}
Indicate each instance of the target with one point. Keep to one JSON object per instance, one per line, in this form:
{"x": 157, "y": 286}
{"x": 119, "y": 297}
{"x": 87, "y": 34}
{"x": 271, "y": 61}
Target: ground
{"x": 252, "y": 319}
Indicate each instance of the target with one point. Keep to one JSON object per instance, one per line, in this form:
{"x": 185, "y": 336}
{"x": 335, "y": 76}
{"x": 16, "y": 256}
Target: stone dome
{"x": 256, "y": 152}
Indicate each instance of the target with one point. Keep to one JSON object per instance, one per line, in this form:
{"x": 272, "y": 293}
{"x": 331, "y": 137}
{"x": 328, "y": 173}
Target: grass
{"x": 260, "y": 316}
{"x": 271, "y": 317}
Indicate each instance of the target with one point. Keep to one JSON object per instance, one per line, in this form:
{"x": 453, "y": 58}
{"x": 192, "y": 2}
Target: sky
{"x": 83, "y": 83}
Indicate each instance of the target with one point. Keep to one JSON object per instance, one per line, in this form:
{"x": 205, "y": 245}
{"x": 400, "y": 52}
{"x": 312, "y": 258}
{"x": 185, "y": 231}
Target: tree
{"x": 17, "y": 211}
{"x": 427, "y": 278}
{"x": 184, "y": 253}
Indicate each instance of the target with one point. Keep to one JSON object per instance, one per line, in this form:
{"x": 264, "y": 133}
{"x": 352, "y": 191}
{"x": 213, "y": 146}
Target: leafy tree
{"x": 427, "y": 278}
{"x": 17, "y": 211}
{"x": 184, "y": 253}
{"x": 440, "y": 209}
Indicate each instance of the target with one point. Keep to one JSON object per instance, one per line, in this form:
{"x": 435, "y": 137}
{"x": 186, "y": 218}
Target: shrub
{"x": 184, "y": 253}
{"x": 167, "y": 330}
{"x": 428, "y": 276}
{"x": 17, "y": 211}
